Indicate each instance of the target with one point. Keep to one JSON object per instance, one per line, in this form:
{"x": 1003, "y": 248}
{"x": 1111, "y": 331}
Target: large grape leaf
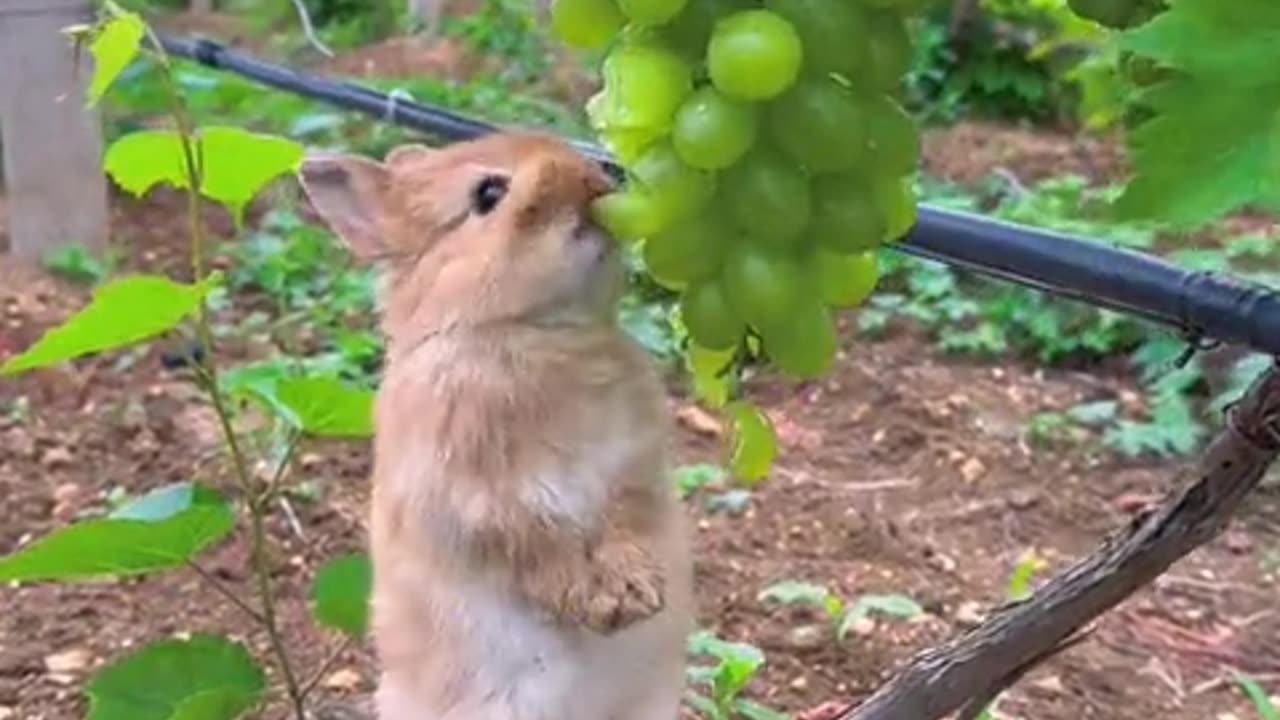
{"x": 237, "y": 164}
{"x": 141, "y": 160}
{"x": 113, "y": 48}
{"x": 1212, "y": 144}
{"x": 204, "y": 678}
{"x": 340, "y": 594}
{"x": 1231, "y": 44}
{"x": 234, "y": 164}
{"x": 159, "y": 531}
{"x": 122, "y": 312}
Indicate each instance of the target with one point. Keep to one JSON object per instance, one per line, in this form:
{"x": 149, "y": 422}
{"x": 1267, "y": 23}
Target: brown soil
{"x": 901, "y": 471}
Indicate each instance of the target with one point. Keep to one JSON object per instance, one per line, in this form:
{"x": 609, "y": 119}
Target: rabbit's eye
{"x": 487, "y": 193}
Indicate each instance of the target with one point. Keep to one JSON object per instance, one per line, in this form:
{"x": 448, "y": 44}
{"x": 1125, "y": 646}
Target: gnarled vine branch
{"x": 966, "y": 673}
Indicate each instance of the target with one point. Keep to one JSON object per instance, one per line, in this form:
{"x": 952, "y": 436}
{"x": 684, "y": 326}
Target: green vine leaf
{"x": 159, "y": 504}
{"x": 707, "y": 367}
{"x": 234, "y": 164}
{"x": 218, "y": 704}
{"x": 754, "y": 442}
{"x": 326, "y": 407}
{"x": 1212, "y": 145}
{"x": 204, "y": 678}
{"x": 238, "y": 164}
{"x": 340, "y": 594}
{"x": 141, "y": 160}
{"x": 114, "y": 47}
{"x": 1241, "y": 33}
{"x": 122, "y": 312}
{"x": 159, "y": 531}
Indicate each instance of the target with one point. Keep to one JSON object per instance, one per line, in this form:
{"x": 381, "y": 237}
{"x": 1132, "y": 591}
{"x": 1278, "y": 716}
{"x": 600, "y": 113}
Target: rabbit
{"x": 530, "y": 555}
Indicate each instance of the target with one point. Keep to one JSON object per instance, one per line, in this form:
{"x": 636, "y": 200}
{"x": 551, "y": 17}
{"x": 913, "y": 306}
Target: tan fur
{"x": 530, "y": 560}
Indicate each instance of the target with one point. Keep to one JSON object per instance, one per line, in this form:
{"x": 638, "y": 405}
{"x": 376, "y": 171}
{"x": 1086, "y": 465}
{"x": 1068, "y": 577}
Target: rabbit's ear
{"x": 350, "y": 194}
{"x": 404, "y": 154}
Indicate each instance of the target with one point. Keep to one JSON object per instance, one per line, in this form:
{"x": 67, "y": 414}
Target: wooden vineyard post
{"x": 55, "y": 190}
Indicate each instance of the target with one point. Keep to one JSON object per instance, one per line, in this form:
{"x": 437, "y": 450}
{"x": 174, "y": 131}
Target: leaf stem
{"x": 326, "y": 665}
{"x": 208, "y": 377}
{"x": 224, "y": 591}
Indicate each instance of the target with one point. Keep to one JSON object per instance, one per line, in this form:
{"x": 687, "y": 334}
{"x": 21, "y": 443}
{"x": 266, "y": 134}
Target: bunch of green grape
{"x": 768, "y": 156}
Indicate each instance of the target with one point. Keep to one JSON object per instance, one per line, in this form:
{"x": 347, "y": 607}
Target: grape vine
{"x": 768, "y": 158}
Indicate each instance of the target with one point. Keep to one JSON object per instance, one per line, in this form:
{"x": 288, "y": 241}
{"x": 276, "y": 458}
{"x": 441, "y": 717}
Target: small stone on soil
{"x": 942, "y": 562}
{"x": 19, "y": 442}
{"x": 863, "y": 626}
{"x": 344, "y": 679}
{"x": 969, "y": 614}
{"x": 1238, "y": 542}
{"x": 1023, "y": 499}
{"x": 1050, "y": 683}
{"x": 807, "y": 637}
{"x": 68, "y": 661}
{"x": 972, "y": 470}
{"x": 56, "y": 457}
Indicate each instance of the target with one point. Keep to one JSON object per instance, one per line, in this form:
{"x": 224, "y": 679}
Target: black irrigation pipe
{"x": 1199, "y": 304}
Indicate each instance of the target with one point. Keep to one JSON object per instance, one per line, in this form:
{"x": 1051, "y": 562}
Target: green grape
{"x": 761, "y": 286}
{"x": 586, "y": 24}
{"x": 690, "y": 31}
{"x": 819, "y": 124}
{"x": 895, "y": 148}
{"x": 628, "y": 215}
{"x": 678, "y": 190}
{"x": 644, "y": 83}
{"x": 844, "y": 280}
{"x": 753, "y": 55}
{"x": 896, "y": 202}
{"x": 687, "y": 251}
{"x": 834, "y": 34}
{"x": 805, "y": 345}
{"x": 627, "y": 144}
{"x": 767, "y": 196}
{"x": 890, "y": 48}
{"x": 651, "y": 12}
{"x": 708, "y": 317}
{"x": 712, "y": 131}
{"x": 846, "y": 214}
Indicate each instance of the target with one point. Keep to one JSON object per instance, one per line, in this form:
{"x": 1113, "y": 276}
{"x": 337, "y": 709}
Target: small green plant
{"x": 1070, "y": 426}
{"x": 843, "y": 616}
{"x": 1261, "y": 701}
{"x": 716, "y": 689}
{"x": 507, "y": 29}
{"x": 969, "y": 315}
{"x": 1019, "y": 586}
{"x": 713, "y": 482}
{"x": 77, "y": 264}
{"x": 168, "y": 527}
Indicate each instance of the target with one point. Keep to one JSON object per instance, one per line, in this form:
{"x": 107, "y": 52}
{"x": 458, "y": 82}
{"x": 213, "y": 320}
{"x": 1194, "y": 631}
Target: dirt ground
{"x": 902, "y": 471}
